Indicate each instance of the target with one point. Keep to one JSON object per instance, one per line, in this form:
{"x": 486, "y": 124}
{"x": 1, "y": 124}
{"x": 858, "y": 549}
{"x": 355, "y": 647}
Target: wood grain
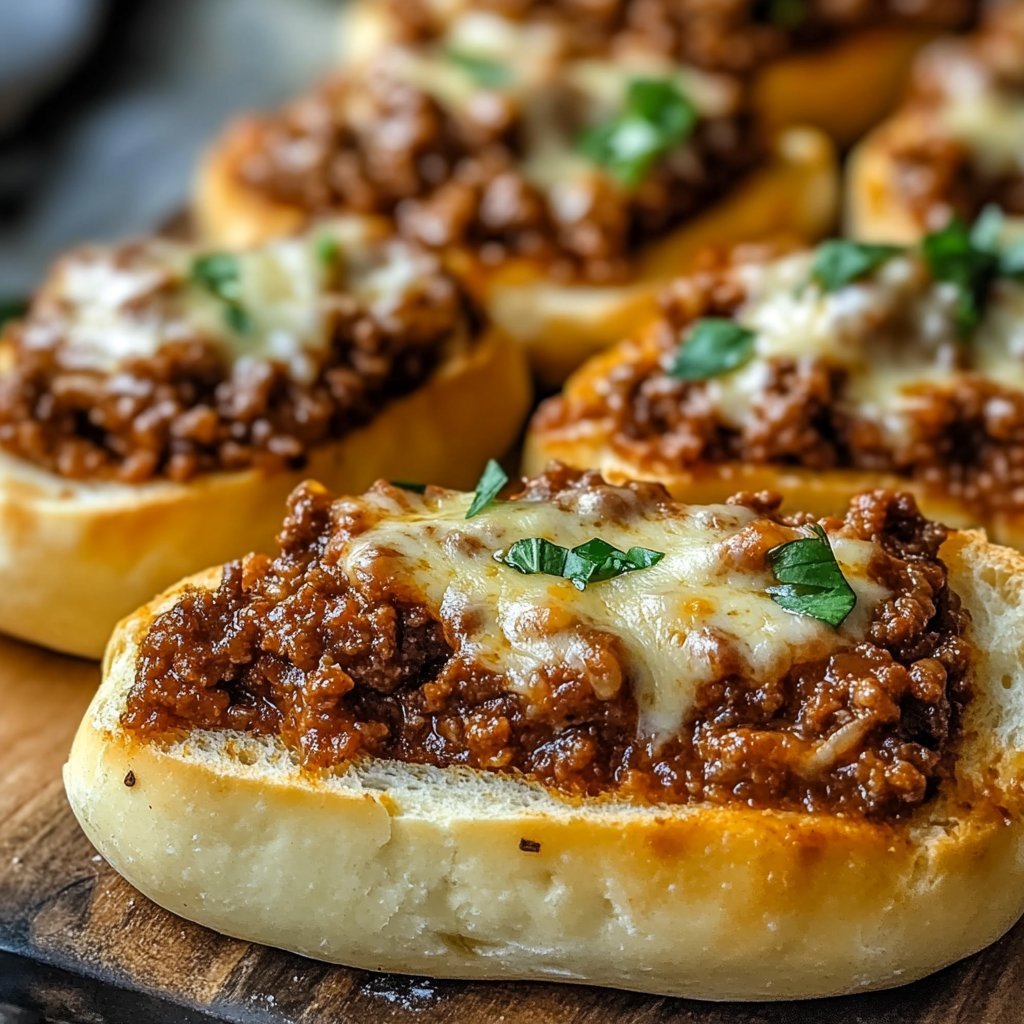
{"x": 96, "y": 950}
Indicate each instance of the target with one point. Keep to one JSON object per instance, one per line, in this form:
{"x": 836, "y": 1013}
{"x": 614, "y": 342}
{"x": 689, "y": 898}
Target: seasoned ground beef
{"x": 188, "y": 409}
{"x": 455, "y": 177}
{"x": 964, "y": 437}
{"x": 721, "y": 35}
{"x": 342, "y": 666}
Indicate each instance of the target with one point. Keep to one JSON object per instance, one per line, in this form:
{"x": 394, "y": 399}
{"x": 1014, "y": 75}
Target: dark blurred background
{"x": 106, "y": 105}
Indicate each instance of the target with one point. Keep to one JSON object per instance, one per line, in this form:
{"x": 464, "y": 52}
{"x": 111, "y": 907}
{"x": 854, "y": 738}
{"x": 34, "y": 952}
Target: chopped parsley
{"x": 713, "y": 346}
{"x": 839, "y": 262}
{"x": 408, "y": 485}
{"x": 328, "y": 250}
{"x": 968, "y": 260}
{"x": 810, "y": 580}
{"x": 656, "y": 117}
{"x": 218, "y": 273}
{"x": 592, "y": 562}
{"x": 485, "y": 72}
{"x": 491, "y": 482}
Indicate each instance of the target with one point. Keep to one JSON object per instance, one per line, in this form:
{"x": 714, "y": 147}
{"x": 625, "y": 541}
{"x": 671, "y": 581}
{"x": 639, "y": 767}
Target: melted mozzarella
{"x": 117, "y": 305}
{"x": 668, "y": 619}
{"x": 544, "y": 83}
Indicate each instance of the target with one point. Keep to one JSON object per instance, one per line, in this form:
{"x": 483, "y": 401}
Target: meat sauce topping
{"x": 959, "y": 144}
{"x": 151, "y": 360}
{"x": 721, "y": 35}
{"x": 342, "y": 663}
{"x": 509, "y": 144}
{"x": 876, "y": 375}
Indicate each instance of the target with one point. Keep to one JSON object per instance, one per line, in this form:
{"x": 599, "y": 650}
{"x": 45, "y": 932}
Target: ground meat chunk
{"x": 454, "y": 176}
{"x": 340, "y": 667}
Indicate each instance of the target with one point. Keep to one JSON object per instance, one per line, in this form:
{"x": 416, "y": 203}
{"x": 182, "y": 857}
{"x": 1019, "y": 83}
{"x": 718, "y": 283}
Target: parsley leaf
{"x": 714, "y": 346}
{"x": 837, "y": 263}
{"x": 327, "y": 251}
{"x": 969, "y": 261}
{"x": 218, "y": 273}
{"x": 487, "y": 73}
{"x": 592, "y": 562}
{"x": 656, "y": 118}
{"x": 12, "y": 309}
{"x": 491, "y": 482}
{"x": 811, "y": 582}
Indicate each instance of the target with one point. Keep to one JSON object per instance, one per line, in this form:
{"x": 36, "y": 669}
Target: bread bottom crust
{"x": 389, "y": 866}
{"x": 75, "y": 557}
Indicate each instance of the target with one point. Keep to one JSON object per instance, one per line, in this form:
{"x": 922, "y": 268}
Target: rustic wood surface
{"x": 78, "y": 944}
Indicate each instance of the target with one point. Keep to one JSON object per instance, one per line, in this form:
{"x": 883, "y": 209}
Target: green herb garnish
{"x": 657, "y": 117}
{"x": 327, "y": 250}
{"x": 811, "y": 582}
{"x": 591, "y": 562}
{"x": 408, "y": 485}
{"x": 838, "y": 262}
{"x": 713, "y": 346}
{"x": 12, "y": 309}
{"x": 485, "y": 72}
{"x": 491, "y": 482}
{"x": 967, "y": 259}
{"x": 218, "y": 273}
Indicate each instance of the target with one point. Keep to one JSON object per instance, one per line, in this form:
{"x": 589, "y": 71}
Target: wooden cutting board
{"x": 79, "y": 944}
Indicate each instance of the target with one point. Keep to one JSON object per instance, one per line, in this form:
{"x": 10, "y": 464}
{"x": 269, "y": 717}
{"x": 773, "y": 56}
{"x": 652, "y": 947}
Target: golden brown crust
{"x": 843, "y": 89}
{"x": 75, "y": 557}
{"x": 403, "y": 868}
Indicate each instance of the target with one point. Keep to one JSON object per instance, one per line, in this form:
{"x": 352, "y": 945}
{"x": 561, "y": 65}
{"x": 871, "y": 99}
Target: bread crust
{"x": 795, "y": 194}
{"x": 844, "y": 88}
{"x": 75, "y": 556}
{"x": 387, "y": 866}
{"x": 874, "y": 207}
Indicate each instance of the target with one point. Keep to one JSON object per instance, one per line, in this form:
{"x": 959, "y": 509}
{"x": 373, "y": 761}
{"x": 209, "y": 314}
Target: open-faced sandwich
{"x": 839, "y": 65}
{"x": 956, "y": 145}
{"x": 563, "y": 183}
{"x": 158, "y": 402}
{"x": 820, "y": 374}
{"x": 584, "y": 733}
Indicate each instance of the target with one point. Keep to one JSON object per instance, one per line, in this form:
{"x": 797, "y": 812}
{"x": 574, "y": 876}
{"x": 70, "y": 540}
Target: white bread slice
{"x": 389, "y": 866}
{"x": 75, "y": 557}
{"x": 795, "y": 194}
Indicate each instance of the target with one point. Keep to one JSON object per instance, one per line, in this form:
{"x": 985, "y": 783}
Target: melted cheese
{"x": 992, "y": 127}
{"x": 121, "y": 304}
{"x": 667, "y": 619}
{"x": 544, "y": 81}
{"x": 891, "y": 333}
